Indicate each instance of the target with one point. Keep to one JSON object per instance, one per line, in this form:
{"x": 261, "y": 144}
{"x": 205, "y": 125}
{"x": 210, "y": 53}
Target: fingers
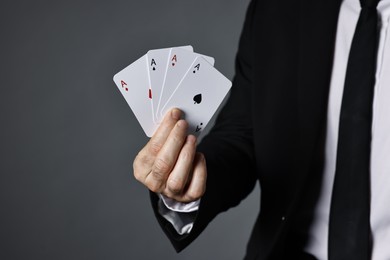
{"x": 162, "y": 133}
{"x": 178, "y": 178}
{"x": 167, "y": 157}
{"x": 197, "y": 186}
{"x": 145, "y": 159}
{"x": 169, "y": 164}
{"x": 196, "y": 182}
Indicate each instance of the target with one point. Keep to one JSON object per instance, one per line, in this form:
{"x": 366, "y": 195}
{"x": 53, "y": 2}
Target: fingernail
{"x": 182, "y": 124}
{"x": 191, "y": 139}
{"x": 176, "y": 114}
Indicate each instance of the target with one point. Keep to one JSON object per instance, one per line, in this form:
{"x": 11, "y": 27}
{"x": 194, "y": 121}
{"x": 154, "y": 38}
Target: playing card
{"x": 133, "y": 83}
{"x": 199, "y": 94}
{"x": 157, "y": 67}
{"x": 179, "y": 63}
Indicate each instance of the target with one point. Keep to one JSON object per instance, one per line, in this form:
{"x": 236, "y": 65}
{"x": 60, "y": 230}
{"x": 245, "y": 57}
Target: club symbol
{"x": 154, "y": 68}
{"x": 198, "y": 127}
{"x": 197, "y": 99}
{"x": 173, "y": 64}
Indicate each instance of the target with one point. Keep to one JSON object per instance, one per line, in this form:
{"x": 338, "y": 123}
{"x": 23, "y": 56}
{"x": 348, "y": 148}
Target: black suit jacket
{"x": 271, "y": 128}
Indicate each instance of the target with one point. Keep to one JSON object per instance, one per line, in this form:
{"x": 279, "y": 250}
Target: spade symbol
{"x": 153, "y": 63}
{"x": 198, "y": 127}
{"x": 197, "y": 99}
{"x": 196, "y": 68}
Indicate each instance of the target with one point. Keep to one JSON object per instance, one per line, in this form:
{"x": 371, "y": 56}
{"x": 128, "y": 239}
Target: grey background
{"x": 68, "y": 139}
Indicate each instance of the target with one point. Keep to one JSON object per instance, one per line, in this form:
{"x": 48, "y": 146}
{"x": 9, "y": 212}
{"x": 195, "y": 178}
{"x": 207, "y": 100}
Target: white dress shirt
{"x": 380, "y": 147}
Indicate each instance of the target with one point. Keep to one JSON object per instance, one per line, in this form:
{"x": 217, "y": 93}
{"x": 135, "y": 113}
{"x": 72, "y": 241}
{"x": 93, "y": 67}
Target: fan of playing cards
{"x": 173, "y": 77}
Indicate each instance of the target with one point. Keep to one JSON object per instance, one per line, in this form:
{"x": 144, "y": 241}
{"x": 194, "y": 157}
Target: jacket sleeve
{"x": 228, "y": 148}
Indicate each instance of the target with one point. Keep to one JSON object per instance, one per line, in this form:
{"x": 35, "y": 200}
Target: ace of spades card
{"x": 199, "y": 94}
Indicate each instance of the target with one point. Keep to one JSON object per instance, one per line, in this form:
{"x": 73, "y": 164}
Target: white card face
{"x": 199, "y": 94}
{"x": 179, "y": 63}
{"x": 157, "y": 66}
{"x": 133, "y": 83}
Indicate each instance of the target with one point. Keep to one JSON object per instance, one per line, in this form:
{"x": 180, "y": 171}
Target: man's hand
{"x": 169, "y": 163}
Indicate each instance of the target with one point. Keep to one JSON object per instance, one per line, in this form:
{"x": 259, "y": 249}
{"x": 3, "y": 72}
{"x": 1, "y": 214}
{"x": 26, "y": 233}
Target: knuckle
{"x": 137, "y": 176}
{"x": 140, "y": 163}
{"x": 160, "y": 169}
{"x": 175, "y": 186}
{"x": 137, "y": 161}
{"x": 191, "y": 197}
{"x": 153, "y": 186}
{"x": 177, "y": 138}
{"x": 185, "y": 155}
{"x": 142, "y": 160}
{"x": 197, "y": 194}
{"x": 155, "y": 147}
